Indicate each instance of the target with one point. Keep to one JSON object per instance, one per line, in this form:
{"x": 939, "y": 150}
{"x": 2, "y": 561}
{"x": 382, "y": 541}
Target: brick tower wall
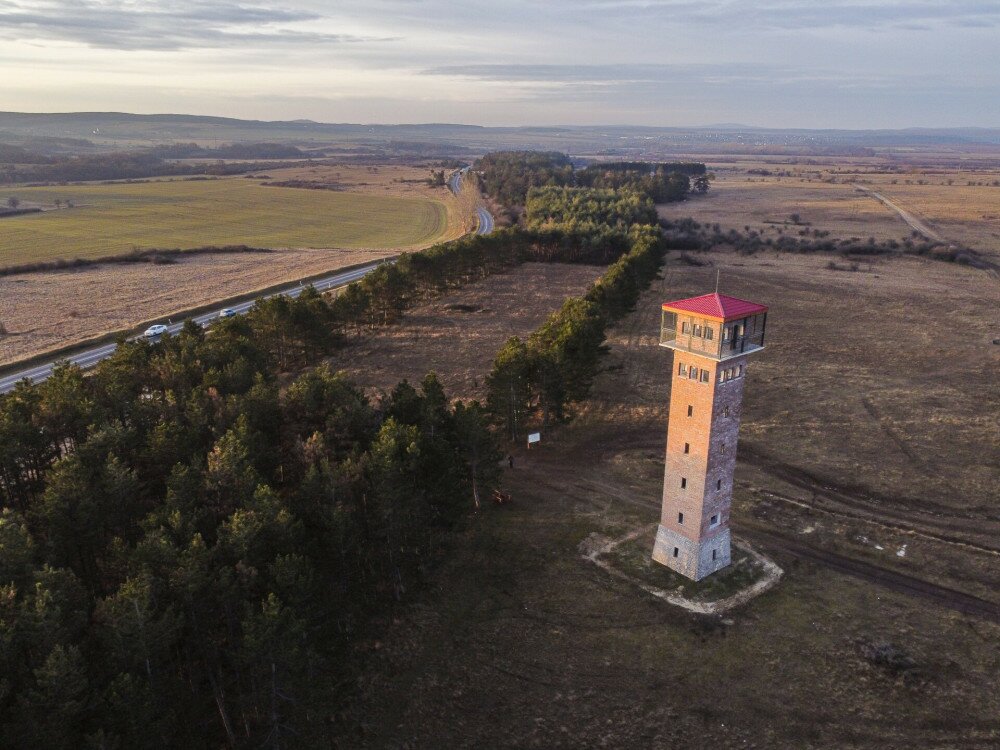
{"x": 701, "y": 449}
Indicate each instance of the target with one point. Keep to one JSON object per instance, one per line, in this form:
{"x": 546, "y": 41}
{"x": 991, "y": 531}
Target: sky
{"x": 772, "y": 63}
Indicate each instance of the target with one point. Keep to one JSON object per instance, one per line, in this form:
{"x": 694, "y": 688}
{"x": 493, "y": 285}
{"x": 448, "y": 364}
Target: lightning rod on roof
{"x": 717, "y": 272}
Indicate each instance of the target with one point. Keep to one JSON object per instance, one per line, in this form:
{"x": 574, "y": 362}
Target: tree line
{"x": 509, "y": 176}
{"x": 663, "y": 183}
{"x": 532, "y": 382}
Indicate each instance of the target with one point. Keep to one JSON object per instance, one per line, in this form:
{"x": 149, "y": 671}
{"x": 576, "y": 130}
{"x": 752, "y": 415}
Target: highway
{"x": 90, "y": 357}
{"x": 484, "y": 219}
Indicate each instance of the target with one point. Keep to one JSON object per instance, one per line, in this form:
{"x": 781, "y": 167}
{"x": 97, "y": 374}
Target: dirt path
{"x": 915, "y": 223}
{"x": 890, "y": 579}
{"x": 909, "y": 515}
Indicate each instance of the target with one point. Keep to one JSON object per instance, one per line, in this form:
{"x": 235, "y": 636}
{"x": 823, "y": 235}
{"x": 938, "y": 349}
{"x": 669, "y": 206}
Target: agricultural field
{"x": 825, "y": 197}
{"x": 115, "y": 218}
{"x": 54, "y": 309}
{"x": 868, "y": 469}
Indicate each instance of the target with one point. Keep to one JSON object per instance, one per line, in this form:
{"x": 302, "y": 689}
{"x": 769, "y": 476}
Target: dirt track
{"x": 577, "y": 484}
{"x": 890, "y": 579}
{"x": 915, "y": 223}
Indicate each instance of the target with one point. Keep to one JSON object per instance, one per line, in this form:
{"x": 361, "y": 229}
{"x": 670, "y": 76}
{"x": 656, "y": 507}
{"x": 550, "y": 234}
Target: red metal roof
{"x": 715, "y": 305}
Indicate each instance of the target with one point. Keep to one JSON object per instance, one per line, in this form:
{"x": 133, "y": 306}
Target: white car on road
{"x": 226, "y": 312}
{"x": 155, "y": 330}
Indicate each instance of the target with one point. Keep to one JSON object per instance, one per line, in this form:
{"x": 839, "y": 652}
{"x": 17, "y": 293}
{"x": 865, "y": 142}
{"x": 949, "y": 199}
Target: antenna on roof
{"x": 717, "y": 272}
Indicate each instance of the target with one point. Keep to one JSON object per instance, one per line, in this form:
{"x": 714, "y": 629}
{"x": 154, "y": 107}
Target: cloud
{"x": 619, "y": 74}
{"x": 187, "y": 24}
{"x": 808, "y": 14}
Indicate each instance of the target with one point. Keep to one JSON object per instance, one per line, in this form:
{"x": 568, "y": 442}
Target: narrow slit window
{"x": 680, "y": 518}
{"x": 687, "y": 447}
{"x": 676, "y": 551}
{"x": 739, "y": 371}
{"x": 715, "y": 552}
{"x": 725, "y": 412}
{"x": 718, "y": 484}
{"x": 690, "y": 410}
{"x": 684, "y": 483}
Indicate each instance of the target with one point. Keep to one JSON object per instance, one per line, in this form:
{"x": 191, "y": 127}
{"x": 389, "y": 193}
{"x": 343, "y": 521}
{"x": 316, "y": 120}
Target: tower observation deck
{"x": 712, "y": 337}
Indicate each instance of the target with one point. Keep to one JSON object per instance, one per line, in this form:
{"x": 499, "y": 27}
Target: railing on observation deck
{"x": 716, "y": 347}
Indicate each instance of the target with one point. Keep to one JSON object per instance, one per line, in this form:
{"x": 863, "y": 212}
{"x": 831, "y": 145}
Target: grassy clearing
{"x": 518, "y": 638}
{"x": 109, "y": 219}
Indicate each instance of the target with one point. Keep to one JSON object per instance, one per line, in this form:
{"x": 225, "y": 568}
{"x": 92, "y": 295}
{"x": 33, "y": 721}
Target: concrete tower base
{"x": 690, "y": 558}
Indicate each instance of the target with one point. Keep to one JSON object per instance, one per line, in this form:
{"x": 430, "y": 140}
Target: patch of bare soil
{"x": 50, "y": 310}
{"x": 458, "y": 334}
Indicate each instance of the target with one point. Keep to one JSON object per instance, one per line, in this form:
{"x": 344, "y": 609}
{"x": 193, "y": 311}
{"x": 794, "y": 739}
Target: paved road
{"x": 484, "y": 219}
{"x": 90, "y": 357}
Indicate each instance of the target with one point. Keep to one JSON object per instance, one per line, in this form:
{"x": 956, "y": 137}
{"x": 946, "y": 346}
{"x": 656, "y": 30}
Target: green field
{"x": 113, "y": 219}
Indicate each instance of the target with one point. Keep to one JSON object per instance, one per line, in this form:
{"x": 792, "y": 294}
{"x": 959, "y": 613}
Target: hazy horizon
{"x": 668, "y": 63}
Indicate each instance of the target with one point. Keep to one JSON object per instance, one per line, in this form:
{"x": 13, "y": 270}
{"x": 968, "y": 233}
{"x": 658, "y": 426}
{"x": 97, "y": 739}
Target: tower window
{"x": 687, "y": 447}
{"x": 680, "y": 518}
{"x": 722, "y": 448}
{"x": 739, "y": 371}
{"x": 708, "y": 333}
{"x": 715, "y": 552}
{"x": 676, "y": 551}
{"x": 722, "y": 376}
{"x": 704, "y": 376}
{"x": 685, "y": 327}
{"x": 684, "y": 483}
{"x": 725, "y": 412}
{"x": 682, "y": 369}
{"x": 714, "y": 521}
{"x": 697, "y": 330}
{"x": 693, "y": 373}
{"x": 718, "y": 485}
{"x": 690, "y": 410}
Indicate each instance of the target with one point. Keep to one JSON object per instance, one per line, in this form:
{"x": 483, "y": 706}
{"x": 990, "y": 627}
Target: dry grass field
{"x": 822, "y": 192}
{"x": 868, "y": 468}
{"x": 458, "y": 334}
{"x": 968, "y": 215}
{"x": 115, "y": 218}
{"x": 734, "y": 203}
{"x": 51, "y": 310}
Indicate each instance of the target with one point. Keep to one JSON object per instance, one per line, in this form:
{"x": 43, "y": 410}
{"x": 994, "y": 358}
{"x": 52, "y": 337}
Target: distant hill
{"x": 47, "y": 133}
